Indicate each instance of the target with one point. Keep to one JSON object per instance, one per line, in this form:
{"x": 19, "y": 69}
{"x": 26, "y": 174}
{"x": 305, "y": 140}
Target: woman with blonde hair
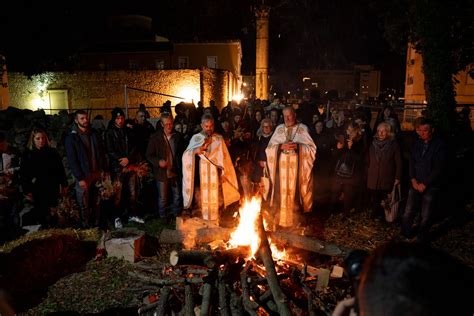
{"x": 384, "y": 166}
{"x": 42, "y": 175}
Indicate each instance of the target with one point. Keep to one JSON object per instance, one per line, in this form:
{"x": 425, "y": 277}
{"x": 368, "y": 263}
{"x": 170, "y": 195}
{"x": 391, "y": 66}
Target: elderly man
{"x": 290, "y": 155}
{"x": 164, "y": 153}
{"x": 207, "y": 157}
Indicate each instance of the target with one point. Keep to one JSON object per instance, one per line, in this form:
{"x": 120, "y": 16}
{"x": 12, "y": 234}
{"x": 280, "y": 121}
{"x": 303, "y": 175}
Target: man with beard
{"x": 290, "y": 155}
{"x": 86, "y": 157}
{"x": 207, "y": 164}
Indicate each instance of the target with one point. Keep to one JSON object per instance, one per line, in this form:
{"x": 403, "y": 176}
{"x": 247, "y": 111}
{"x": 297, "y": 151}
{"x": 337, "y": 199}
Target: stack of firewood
{"x": 232, "y": 282}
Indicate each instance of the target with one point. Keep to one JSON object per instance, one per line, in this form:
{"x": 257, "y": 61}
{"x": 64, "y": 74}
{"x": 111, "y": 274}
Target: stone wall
{"x": 218, "y": 85}
{"x": 100, "y": 91}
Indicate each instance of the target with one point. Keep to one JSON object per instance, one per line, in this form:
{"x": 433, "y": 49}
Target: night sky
{"x": 304, "y": 34}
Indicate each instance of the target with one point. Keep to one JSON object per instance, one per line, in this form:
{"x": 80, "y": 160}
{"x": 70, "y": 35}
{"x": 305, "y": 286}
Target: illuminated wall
{"x": 96, "y": 90}
{"x": 415, "y": 81}
{"x": 415, "y": 84}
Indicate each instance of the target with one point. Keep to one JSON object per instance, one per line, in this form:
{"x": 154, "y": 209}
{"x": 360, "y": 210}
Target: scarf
{"x": 381, "y": 147}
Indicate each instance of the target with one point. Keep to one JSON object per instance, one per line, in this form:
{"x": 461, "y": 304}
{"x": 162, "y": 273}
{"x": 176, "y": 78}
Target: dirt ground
{"x": 80, "y": 285}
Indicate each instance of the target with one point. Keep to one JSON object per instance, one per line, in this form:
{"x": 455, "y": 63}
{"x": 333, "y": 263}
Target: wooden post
{"x": 266, "y": 255}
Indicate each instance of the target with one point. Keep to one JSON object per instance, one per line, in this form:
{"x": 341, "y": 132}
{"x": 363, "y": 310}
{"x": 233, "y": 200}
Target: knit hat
{"x": 117, "y": 112}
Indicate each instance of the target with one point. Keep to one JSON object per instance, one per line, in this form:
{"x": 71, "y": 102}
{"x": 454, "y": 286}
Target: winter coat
{"x": 119, "y": 144}
{"x": 41, "y": 173}
{"x": 428, "y": 168}
{"x": 382, "y": 172}
{"x": 158, "y": 150}
{"x": 77, "y": 155}
{"x": 354, "y": 156}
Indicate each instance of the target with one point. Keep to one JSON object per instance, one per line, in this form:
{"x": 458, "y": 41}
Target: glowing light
{"x": 39, "y": 103}
{"x": 189, "y": 94}
{"x": 238, "y": 97}
{"x": 244, "y": 84}
{"x": 246, "y": 233}
{"x": 277, "y": 254}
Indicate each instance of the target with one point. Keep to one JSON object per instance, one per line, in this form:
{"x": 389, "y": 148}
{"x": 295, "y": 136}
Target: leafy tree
{"x": 443, "y": 33}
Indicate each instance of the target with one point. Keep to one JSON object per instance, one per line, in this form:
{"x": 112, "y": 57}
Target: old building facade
{"x": 133, "y": 66}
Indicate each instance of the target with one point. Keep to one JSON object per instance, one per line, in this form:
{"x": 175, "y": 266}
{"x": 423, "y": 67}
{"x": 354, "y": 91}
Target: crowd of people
{"x": 300, "y": 159}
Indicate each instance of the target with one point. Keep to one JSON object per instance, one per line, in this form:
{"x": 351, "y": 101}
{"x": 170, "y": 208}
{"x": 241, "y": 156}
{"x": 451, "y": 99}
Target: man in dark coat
{"x": 123, "y": 154}
{"x": 86, "y": 157}
{"x": 142, "y": 130}
{"x": 427, "y": 162}
{"x": 164, "y": 152}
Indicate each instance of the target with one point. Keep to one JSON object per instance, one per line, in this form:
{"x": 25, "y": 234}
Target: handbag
{"x": 345, "y": 167}
{"x": 391, "y": 211}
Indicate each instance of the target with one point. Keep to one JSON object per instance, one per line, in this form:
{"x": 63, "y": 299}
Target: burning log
{"x": 249, "y": 306}
{"x": 164, "y": 295}
{"x": 162, "y": 282}
{"x": 208, "y": 258}
{"x": 308, "y": 243}
{"x": 188, "y": 300}
{"x": 203, "y": 235}
{"x": 310, "y": 270}
{"x": 192, "y": 257}
{"x": 205, "y": 292}
{"x": 221, "y": 287}
{"x": 236, "y": 304}
{"x": 266, "y": 256}
{"x": 171, "y": 236}
{"x": 307, "y": 291}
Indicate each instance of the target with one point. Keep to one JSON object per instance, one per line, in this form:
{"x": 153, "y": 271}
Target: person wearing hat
{"x": 123, "y": 153}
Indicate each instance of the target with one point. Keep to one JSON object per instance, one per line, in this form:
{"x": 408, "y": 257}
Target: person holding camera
{"x": 350, "y": 171}
{"x": 407, "y": 279}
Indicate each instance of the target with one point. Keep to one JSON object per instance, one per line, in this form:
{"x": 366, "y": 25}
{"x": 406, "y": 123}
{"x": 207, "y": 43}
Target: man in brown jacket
{"x": 164, "y": 152}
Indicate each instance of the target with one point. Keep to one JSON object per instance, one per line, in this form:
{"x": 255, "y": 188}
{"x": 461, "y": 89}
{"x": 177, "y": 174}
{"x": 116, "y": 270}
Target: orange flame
{"x": 246, "y": 233}
{"x": 277, "y": 254}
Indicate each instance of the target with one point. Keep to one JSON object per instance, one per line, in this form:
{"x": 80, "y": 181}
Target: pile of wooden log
{"x": 226, "y": 282}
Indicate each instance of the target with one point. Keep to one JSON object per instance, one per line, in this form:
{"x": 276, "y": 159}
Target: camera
{"x": 353, "y": 264}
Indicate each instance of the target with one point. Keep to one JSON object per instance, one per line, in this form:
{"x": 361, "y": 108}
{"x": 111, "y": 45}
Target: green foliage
{"x": 153, "y": 226}
{"x": 443, "y": 33}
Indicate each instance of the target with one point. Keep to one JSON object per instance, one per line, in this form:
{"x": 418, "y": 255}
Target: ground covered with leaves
{"x": 103, "y": 285}
{"x": 108, "y": 284}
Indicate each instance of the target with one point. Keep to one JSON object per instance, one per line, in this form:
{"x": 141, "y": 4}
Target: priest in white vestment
{"x": 217, "y": 178}
{"x": 291, "y": 153}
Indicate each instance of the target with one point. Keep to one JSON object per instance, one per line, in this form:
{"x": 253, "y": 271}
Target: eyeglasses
{"x": 266, "y": 126}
